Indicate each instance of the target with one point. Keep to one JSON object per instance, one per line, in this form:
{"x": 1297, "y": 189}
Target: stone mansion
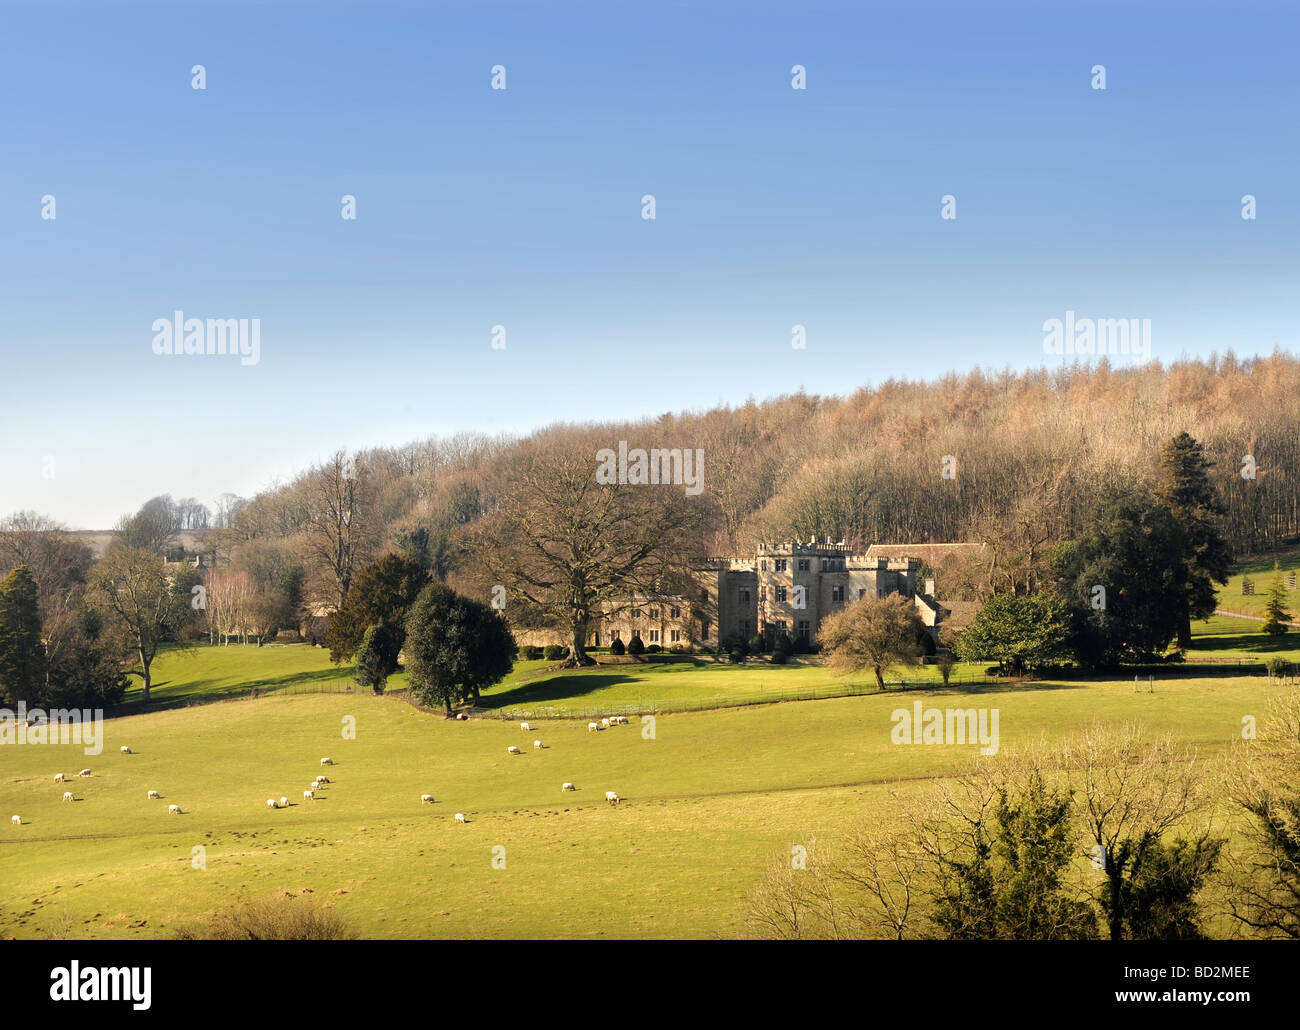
{"x": 788, "y": 587}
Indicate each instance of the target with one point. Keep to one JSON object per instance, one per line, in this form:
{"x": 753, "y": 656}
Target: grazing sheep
{"x": 270, "y": 803}
{"x": 612, "y": 797}
{"x": 68, "y": 796}
{"x": 592, "y": 727}
{"x": 308, "y": 795}
{"x": 525, "y": 727}
{"x": 173, "y": 809}
{"x": 537, "y": 744}
{"x": 125, "y": 750}
{"x": 327, "y": 761}
{"x": 512, "y": 750}
{"x": 154, "y": 795}
{"x": 84, "y": 772}
{"x": 568, "y": 786}
{"x": 17, "y": 820}
{"x": 460, "y": 817}
{"x": 604, "y": 724}
{"x": 284, "y": 802}
{"x": 58, "y": 777}
{"x": 462, "y": 717}
{"x": 322, "y": 779}
{"x": 426, "y": 798}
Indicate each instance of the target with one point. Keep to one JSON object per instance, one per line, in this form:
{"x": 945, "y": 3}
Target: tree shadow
{"x": 199, "y": 691}
{"x": 556, "y": 688}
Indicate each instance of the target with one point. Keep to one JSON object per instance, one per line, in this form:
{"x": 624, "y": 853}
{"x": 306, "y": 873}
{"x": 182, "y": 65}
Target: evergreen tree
{"x": 1278, "y": 616}
{"x": 21, "y": 652}
{"x": 1185, "y": 490}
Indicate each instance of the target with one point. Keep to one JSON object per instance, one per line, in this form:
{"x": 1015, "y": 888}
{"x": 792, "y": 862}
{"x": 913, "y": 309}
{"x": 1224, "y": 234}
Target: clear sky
{"x": 522, "y": 207}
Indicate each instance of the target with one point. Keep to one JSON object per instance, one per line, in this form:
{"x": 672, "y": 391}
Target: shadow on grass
{"x": 556, "y": 688}
{"x": 1250, "y": 643}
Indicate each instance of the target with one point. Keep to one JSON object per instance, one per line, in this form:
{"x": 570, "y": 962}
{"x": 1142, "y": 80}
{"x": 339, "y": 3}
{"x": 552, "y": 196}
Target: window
{"x": 636, "y": 613}
{"x": 779, "y": 625}
{"x": 704, "y": 596}
{"x": 704, "y": 629}
{"x": 636, "y": 634}
{"x": 675, "y": 635}
{"x": 780, "y": 594}
{"x": 675, "y": 613}
{"x": 744, "y": 629}
{"x": 780, "y": 564}
{"x": 861, "y": 594}
{"x": 616, "y": 634}
{"x": 762, "y": 566}
{"x": 837, "y": 595}
{"x": 597, "y": 641}
{"x": 654, "y": 613}
{"x": 803, "y": 564}
{"x": 804, "y": 631}
{"x": 654, "y": 636}
{"x": 744, "y": 595}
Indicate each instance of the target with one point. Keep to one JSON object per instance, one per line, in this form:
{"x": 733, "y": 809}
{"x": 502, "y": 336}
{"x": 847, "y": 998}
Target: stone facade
{"x": 788, "y": 587}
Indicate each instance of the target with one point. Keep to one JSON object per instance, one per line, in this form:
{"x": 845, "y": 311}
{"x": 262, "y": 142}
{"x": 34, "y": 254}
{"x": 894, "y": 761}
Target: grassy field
{"x": 709, "y": 799}
{"x": 710, "y": 795}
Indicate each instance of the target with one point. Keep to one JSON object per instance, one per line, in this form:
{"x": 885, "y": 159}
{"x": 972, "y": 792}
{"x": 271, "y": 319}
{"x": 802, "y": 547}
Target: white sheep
{"x": 460, "y": 817}
{"x": 125, "y": 750}
{"x": 68, "y": 796}
{"x": 270, "y": 803}
{"x": 537, "y": 744}
{"x": 58, "y": 777}
{"x": 568, "y": 786}
{"x": 525, "y": 727}
{"x": 426, "y": 798}
{"x": 322, "y": 779}
{"x": 512, "y": 750}
{"x": 592, "y": 727}
{"x": 612, "y": 797}
{"x": 17, "y": 820}
{"x": 462, "y": 717}
{"x": 604, "y": 724}
{"x": 173, "y": 809}
{"x": 154, "y": 795}
{"x": 308, "y": 795}
{"x": 327, "y": 761}
{"x": 84, "y": 772}
{"x": 284, "y": 802}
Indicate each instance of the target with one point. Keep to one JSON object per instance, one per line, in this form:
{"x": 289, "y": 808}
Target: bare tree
{"x": 576, "y": 551}
{"x": 340, "y": 532}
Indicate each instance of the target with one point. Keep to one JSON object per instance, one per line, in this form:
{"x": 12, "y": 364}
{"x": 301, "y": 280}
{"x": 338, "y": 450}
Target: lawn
{"x": 710, "y": 797}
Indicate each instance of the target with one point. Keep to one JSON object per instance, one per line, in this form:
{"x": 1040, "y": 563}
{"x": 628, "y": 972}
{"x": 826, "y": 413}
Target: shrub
{"x": 653, "y": 649}
{"x": 635, "y": 646}
{"x": 617, "y": 647}
{"x": 802, "y": 646}
{"x": 277, "y": 917}
{"x": 554, "y": 652}
{"x": 783, "y": 643}
{"x": 757, "y": 644}
{"x": 530, "y": 652}
{"x": 780, "y": 657}
{"x": 736, "y": 655}
{"x": 736, "y": 642}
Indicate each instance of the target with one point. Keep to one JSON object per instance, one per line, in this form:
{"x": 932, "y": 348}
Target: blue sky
{"x": 522, "y": 208}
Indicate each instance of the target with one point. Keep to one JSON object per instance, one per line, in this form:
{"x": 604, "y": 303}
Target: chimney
{"x": 929, "y": 587}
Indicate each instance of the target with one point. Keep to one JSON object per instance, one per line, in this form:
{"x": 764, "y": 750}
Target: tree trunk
{"x": 145, "y": 675}
{"x": 880, "y": 680}
{"x": 1185, "y": 632}
{"x": 578, "y": 656}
